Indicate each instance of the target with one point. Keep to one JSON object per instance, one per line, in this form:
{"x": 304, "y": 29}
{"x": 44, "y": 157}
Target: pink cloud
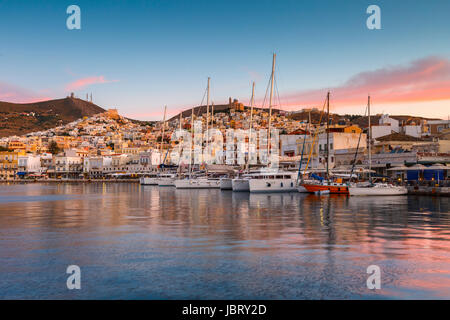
{"x": 426, "y": 79}
{"x": 84, "y": 82}
{"x": 16, "y": 94}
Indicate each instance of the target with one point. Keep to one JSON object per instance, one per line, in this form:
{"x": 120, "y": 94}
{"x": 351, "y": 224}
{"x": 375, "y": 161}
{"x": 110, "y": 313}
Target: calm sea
{"x": 147, "y": 242}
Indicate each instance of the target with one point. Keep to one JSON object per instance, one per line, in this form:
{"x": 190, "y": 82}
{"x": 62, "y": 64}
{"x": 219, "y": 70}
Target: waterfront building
{"x": 68, "y": 165}
{"x": 9, "y": 164}
{"x": 29, "y": 163}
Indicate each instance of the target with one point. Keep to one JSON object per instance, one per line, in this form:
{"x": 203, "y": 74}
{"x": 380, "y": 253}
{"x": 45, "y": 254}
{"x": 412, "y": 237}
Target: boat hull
{"x": 149, "y": 181}
{"x": 226, "y": 184}
{"x": 240, "y": 185}
{"x": 334, "y": 189}
{"x": 372, "y": 191}
{"x": 272, "y": 185}
{"x": 197, "y": 184}
{"x": 166, "y": 182}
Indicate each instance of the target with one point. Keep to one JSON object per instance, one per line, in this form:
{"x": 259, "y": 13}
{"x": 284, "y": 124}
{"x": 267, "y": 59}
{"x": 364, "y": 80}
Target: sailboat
{"x": 154, "y": 178}
{"x": 374, "y": 189}
{"x": 241, "y": 183}
{"x": 202, "y": 182}
{"x": 272, "y": 181}
{"x": 326, "y": 185}
{"x": 300, "y": 187}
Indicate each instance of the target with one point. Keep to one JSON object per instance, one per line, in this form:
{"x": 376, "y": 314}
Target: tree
{"x": 53, "y": 147}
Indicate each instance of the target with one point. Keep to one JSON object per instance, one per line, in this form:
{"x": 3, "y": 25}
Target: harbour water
{"x": 149, "y": 242}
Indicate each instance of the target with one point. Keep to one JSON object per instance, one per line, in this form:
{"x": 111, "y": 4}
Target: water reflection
{"x": 136, "y": 241}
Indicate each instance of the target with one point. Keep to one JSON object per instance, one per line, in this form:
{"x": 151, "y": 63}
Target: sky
{"x": 138, "y": 56}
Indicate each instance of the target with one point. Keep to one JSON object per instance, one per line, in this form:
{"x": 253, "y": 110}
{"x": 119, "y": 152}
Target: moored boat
{"x": 331, "y": 187}
{"x": 199, "y": 183}
{"x": 226, "y": 183}
{"x": 167, "y": 180}
{"x": 273, "y": 182}
{"x": 240, "y": 184}
{"x": 377, "y": 189}
{"x": 150, "y": 179}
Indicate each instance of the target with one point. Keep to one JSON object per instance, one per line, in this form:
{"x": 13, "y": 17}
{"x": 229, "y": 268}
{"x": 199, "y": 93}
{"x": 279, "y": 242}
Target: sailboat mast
{"x": 270, "y": 101}
{"x": 328, "y": 134}
{"x": 251, "y": 123}
{"x": 370, "y": 140}
{"x": 162, "y": 135}
{"x": 207, "y": 116}
{"x": 192, "y": 142}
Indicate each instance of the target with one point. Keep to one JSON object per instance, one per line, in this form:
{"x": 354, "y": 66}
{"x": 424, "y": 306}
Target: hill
{"x": 19, "y": 119}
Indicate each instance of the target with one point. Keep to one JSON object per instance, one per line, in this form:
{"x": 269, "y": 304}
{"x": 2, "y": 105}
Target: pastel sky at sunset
{"x": 138, "y": 56}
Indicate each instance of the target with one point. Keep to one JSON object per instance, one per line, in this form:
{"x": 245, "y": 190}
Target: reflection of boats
{"x": 273, "y": 182}
{"x": 273, "y": 201}
{"x": 377, "y": 189}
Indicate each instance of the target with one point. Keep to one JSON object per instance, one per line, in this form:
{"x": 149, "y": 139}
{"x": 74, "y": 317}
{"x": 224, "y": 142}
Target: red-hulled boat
{"x": 331, "y": 187}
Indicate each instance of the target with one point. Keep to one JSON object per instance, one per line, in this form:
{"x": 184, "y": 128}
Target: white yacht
{"x": 377, "y": 189}
{"x": 197, "y": 183}
{"x": 273, "y": 182}
{"x": 226, "y": 183}
{"x": 241, "y": 184}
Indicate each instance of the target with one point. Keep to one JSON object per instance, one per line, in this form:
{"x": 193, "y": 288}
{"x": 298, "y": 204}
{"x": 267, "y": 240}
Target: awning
{"x": 21, "y": 173}
{"x": 437, "y": 167}
{"x": 418, "y": 167}
{"x": 400, "y": 168}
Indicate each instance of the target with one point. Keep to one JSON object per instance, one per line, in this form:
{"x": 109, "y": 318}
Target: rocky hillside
{"x": 18, "y": 119}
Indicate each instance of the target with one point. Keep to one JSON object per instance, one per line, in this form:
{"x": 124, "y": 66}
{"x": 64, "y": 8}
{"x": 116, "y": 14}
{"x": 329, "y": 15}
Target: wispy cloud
{"x": 426, "y": 79}
{"x": 13, "y": 93}
{"x": 84, "y": 82}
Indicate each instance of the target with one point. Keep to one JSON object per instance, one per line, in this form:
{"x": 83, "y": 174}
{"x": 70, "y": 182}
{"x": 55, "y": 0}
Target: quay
{"x": 429, "y": 191}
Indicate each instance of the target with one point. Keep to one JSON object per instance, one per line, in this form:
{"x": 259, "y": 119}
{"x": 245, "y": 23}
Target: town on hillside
{"x": 109, "y": 146}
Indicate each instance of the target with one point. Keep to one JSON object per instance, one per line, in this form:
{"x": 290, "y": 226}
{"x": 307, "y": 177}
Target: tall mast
{"x": 251, "y": 123}
{"x": 163, "y": 131}
{"x": 181, "y": 117}
{"x": 328, "y": 134}
{"x": 370, "y": 140}
{"x": 192, "y": 142}
{"x": 270, "y": 102}
{"x": 207, "y": 116}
